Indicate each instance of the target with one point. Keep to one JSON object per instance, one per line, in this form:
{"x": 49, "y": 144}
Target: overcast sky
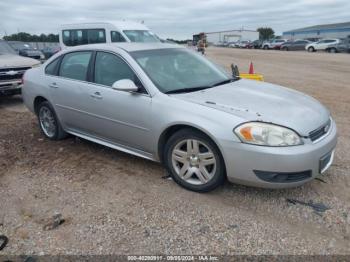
{"x": 177, "y": 19}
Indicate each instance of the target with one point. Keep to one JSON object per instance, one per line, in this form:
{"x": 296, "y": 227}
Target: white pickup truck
{"x": 12, "y": 68}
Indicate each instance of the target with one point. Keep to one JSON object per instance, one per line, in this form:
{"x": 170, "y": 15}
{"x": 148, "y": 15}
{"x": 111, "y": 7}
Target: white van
{"x": 92, "y": 33}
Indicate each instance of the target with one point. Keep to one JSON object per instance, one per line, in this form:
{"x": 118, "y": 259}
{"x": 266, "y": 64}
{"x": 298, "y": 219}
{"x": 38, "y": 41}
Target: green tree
{"x": 25, "y": 37}
{"x": 265, "y": 33}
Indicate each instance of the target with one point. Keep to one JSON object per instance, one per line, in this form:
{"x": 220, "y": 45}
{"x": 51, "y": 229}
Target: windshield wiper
{"x": 225, "y": 82}
{"x": 193, "y": 89}
{"x": 187, "y": 90}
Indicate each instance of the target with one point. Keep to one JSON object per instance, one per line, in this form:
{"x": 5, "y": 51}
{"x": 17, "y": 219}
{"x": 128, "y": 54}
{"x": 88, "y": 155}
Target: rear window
{"x": 75, "y": 65}
{"x": 51, "y": 69}
{"x": 83, "y": 36}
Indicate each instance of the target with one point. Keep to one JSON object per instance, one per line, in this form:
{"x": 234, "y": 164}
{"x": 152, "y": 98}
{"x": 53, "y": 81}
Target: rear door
{"x": 299, "y": 45}
{"x": 69, "y": 93}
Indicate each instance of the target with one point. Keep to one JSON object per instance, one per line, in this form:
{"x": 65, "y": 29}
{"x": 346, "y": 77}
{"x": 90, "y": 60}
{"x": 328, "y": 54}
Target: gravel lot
{"x": 114, "y": 203}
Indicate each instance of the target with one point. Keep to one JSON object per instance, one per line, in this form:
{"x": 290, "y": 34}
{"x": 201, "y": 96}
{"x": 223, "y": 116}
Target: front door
{"x": 119, "y": 116}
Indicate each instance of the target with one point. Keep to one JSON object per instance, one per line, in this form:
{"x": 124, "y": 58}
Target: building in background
{"x": 340, "y": 30}
{"x": 219, "y": 37}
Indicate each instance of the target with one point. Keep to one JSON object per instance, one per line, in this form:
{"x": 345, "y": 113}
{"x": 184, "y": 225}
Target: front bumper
{"x": 242, "y": 160}
{"x": 12, "y": 87}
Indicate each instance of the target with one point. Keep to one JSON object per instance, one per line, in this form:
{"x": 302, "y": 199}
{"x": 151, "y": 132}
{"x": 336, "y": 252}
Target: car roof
{"x": 128, "y": 47}
{"x": 120, "y": 25}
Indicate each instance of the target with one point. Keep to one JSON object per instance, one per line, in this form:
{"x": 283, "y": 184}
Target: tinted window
{"x": 75, "y": 65}
{"x": 141, "y": 36}
{"x": 83, "y": 36}
{"x": 117, "y": 37}
{"x": 96, "y": 36}
{"x": 51, "y": 69}
{"x": 329, "y": 41}
{"x": 110, "y": 68}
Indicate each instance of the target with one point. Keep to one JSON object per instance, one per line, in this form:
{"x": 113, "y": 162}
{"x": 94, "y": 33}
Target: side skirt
{"x": 126, "y": 149}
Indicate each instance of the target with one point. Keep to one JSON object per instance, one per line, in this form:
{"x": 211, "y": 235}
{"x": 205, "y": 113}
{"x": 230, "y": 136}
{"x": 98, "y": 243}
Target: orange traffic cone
{"x": 251, "y": 68}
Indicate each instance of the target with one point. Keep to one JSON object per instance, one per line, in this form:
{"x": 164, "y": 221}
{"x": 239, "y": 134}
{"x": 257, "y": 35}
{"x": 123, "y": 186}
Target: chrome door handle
{"x": 96, "y": 95}
{"x": 53, "y": 85}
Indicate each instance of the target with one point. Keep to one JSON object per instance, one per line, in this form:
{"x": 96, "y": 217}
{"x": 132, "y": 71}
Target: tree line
{"x": 25, "y": 37}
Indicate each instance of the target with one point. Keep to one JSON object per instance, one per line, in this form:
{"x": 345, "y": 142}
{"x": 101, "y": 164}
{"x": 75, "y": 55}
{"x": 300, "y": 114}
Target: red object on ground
{"x": 251, "y": 68}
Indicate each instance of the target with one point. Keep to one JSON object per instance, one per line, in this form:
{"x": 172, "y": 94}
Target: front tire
{"x": 311, "y": 49}
{"x": 49, "y": 123}
{"x": 194, "y": 161}
{"x": 265, "y": 47}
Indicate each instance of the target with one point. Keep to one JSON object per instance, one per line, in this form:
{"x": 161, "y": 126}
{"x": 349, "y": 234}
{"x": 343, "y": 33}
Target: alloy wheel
{"x": 194, "y": 161}
{"x": 47, "y": 121}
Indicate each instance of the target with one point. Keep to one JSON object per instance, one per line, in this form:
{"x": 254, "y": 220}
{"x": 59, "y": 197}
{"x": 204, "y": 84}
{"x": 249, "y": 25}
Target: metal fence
{"x": 42, "y": 45}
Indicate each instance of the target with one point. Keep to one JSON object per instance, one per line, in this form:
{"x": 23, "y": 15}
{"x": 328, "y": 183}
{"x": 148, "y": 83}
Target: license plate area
{"x": 326, "y": 162}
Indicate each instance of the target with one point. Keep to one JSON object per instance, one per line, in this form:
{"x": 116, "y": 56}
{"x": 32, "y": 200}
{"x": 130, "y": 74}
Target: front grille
{"x": 283, "y": 177}
{"x": 320, "y": 132}
{"x": 8, "y": 74}
{"x": 13, "y": 69}
{"x": 10, "y": 77}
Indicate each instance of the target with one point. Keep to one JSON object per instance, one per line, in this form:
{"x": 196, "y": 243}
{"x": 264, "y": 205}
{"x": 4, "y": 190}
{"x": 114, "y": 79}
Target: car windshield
{"x": 5, "y": 48}
{"x": 141, "y": 36}
{"x": 178, "y": 70}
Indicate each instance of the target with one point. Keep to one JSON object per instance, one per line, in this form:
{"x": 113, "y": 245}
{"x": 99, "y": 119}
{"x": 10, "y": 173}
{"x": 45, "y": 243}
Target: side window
{"x": 51, "y": 69}
{"x": 75, "y": 65}
{"x": 75, "y": 37}
{"x": 83, "y": 36}
{"x": 96, "y": 36}
{"x": 117, "y": 37}
{"x": 110, "y": 68}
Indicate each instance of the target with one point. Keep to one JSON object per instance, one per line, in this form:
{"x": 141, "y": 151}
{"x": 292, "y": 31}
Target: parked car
{"x": 343, "y": 46}
{"x": 257, "y": 44}
{"x": 244, "y": 44}
{"x": 49, "y": 51}
{"x": 321, "y": 45}
{"x": 92, "y": 33}
{"x": 27, "y": 50}
{"x": 12, "y": 67}
{"x": 295, "y": 45}
{"x": 167, "y": 103}
{"x": 274, "y": 44}
{"x": 232, "y": 44}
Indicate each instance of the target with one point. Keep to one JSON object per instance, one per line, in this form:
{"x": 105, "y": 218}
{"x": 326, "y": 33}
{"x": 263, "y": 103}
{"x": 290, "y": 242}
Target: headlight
{"x": 264, "y": 134}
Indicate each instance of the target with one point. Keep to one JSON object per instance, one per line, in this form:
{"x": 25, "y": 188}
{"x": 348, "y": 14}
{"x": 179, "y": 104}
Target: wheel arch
{"x": 172, "y": 129}
{"x": 37, "y": 101}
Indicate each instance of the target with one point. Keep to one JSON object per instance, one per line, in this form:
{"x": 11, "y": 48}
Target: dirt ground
{"x": 115, "y": 203}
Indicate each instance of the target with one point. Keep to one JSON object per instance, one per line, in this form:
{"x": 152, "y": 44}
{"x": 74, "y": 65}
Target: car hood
{"x": 9, "y": 60}
{"x": 259, "y": 101}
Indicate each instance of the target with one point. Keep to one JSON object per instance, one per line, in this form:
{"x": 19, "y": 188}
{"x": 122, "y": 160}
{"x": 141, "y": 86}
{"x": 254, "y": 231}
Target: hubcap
{"x": 194, "y": 162}
{"x": 47, "y": 121}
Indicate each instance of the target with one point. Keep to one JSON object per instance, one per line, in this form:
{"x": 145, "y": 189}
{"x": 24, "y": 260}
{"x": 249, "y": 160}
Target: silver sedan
{"x": 169, "y": 104}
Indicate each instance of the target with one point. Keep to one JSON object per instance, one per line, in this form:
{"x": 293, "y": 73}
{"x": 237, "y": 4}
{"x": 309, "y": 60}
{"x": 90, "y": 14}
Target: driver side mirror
{"x": 125, "y": 85}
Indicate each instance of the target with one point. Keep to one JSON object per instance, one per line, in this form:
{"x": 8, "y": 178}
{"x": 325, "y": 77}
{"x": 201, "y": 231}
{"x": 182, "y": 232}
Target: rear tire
{"x": 194, "y": 161}
{"x": 265, "y": 47}
{"x": 332, "y": 50}
{"x": 49, "y": 124}
{"x": 285, "y": 49}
